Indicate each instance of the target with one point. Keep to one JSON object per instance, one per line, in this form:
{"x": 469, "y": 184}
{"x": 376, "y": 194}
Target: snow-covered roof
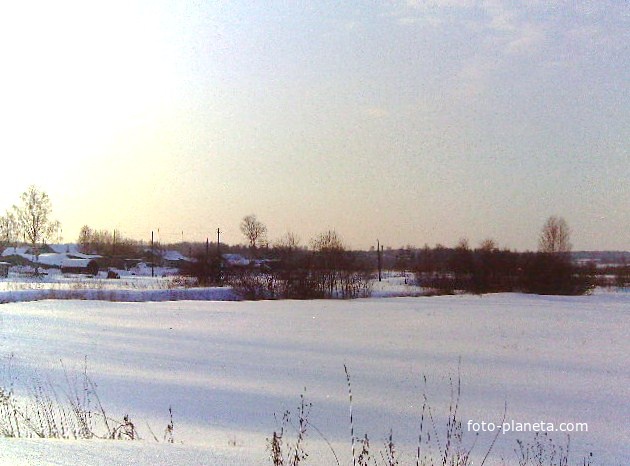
{"x": 235, "y": 259}
{"x": 80, "y": 255}
{"x": 51, "y": 259}
{"x": 15, "y": 251}
{"x": 76, "y": 263}
{"x": 65, "y": 248}
{"x": 172, "y": 255}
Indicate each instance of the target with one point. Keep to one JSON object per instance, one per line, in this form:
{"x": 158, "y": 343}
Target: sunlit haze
{"x": 408, "y": 121}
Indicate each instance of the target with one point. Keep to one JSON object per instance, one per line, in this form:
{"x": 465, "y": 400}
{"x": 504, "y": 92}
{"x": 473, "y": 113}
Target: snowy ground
{"x": 54, "y": 279}
{"x": 164, "y": 286}
{"x": 396, "y": 284}
{"x": 227, "y": 367}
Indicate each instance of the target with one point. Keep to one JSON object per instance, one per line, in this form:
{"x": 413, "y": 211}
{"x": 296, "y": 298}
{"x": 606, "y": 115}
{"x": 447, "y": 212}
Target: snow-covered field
{"x": 225, "y": 368}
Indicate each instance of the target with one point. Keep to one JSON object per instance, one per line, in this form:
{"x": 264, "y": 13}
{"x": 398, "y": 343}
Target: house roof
{"x": 15, "y": 251}
{"x": 80, "y": 255}
{"x": 235, "y": 259}
{"x": 48, "y": 258}
{"x": 51, "y": 259}
{"x": 77, "y": 263}
{"x": 65, "y": 248}
{"x": 172, "y": 255}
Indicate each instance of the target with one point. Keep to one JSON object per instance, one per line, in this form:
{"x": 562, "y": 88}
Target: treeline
{"x": 107, "y": 243}
{"x": 330, "y": 272}
{"x": 285, "y": 269}
{"x": 289, "y": 271}
{"x": 490, "y": 270}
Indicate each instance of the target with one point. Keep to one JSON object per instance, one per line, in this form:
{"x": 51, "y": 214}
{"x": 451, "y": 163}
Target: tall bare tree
{"x": 555, "y": 235}
{"x": 33, "y": 218}
{"x": 254, "y": 230}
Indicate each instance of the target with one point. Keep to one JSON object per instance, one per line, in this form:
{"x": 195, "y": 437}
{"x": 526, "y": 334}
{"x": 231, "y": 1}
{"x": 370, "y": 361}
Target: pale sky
{"x": 408, "y": 121}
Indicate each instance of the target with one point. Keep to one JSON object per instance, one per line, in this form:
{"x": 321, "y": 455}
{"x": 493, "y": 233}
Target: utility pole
{"x": 152, "y": 255}
{"x": 382, "y": 255}
{"x": 114, "y": 244}
{"x": 380, "y": 262}
{"x": 207, "y": 254}
{"x": 219, "y": 262}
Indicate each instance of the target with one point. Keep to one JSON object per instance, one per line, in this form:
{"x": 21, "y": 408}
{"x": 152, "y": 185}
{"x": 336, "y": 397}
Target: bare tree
{"x": 488, "y": 245}
{"x": 463, "y": 244}
{"x": 33, "y": 218}
{"x": 254, "y": 230}
{"x": 85, "y": 239}
{"x": 329, "y": 253}
{"x": 554, "y": 237}
{"x": 462, "y": 263}
{"x": 8, "y": 229}
{"x": 328, "y": 242}
{"x": 290, "y": 242}
{"x": 287, "y": 248}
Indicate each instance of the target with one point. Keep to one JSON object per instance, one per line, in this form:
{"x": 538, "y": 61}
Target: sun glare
{"x": 78, "y": 76}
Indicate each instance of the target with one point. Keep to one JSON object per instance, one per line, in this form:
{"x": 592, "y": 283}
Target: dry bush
{"x": 72, "y": 412}
{"x": 435, "y": 446}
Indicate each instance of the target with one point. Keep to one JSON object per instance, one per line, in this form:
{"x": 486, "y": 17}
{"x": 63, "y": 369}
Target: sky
{"x": 411, "y": 122}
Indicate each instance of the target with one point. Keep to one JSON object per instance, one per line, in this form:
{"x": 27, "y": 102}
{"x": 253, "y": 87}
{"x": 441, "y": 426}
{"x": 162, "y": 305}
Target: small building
{"x": 80, "y": 266}
{"x": 4, "y": 269}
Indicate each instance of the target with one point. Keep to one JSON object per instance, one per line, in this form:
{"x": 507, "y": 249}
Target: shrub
{"x": 552, "y": 274}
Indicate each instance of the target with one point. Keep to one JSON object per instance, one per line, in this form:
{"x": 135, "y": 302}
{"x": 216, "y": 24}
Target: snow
{"x": 82, "y": 263}
{"x": 118, "y": 295}
{"x": 396, "y": 285}
{"x": 130, "y": 288}
{"x": 51, "y": 259}
{"x": 227, "y": 367}
{"x": 236, "y": 260}
{"x": 21, "y": 250}
{"x": 172, "y": 255}
{"x": 65, "y": 248}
